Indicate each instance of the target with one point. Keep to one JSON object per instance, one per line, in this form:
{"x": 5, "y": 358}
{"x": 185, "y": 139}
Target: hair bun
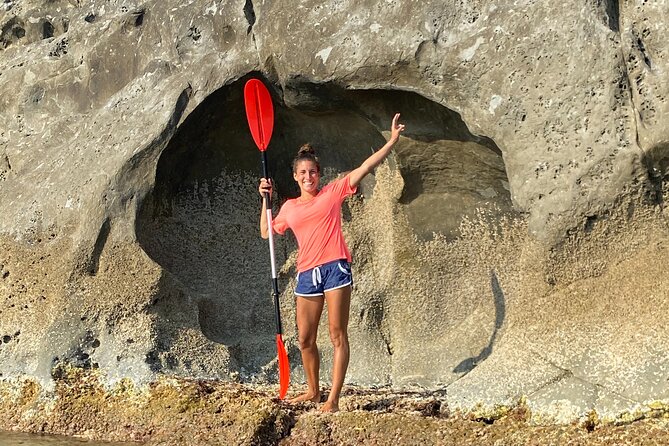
{"x": 306, "y": 149}
{"x": 306, "y": 152}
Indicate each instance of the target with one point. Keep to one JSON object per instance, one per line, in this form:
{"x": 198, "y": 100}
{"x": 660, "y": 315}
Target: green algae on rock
{"x": 168, "y": 411}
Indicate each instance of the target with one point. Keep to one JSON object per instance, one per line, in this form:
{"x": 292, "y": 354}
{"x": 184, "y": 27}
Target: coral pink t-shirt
{"x": 317, "y": 225}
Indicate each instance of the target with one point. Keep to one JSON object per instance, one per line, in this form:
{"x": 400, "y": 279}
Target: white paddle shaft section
{"x": 271, "y": 242}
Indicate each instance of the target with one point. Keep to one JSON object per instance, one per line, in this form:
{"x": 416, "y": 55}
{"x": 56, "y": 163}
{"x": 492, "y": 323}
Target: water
{"x": 16, "y": 439}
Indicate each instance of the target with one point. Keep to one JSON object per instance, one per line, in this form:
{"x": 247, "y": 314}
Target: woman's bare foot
{"x": 330, "y": 407}
{"x": 313, "y": 397}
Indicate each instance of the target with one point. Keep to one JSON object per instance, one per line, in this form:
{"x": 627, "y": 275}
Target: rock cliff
{"x": 513, "y": 246}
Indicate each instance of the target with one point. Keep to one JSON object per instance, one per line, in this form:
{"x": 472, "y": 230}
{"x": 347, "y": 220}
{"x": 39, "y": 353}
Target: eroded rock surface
{"x": 513, "y": 246}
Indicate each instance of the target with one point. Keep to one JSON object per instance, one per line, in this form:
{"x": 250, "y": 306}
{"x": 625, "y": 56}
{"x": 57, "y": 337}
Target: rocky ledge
{"x": 175, "y": 411}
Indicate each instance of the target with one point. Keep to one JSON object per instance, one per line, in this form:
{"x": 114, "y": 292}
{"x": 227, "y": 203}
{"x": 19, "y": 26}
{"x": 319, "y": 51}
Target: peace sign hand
{"x": 396, "y": 128}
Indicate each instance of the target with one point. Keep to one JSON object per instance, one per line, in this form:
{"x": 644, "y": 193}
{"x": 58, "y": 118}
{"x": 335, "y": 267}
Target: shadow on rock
{"x": 469, "y": 364}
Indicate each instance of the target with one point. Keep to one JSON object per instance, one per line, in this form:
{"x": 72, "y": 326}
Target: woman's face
{"x": 307, "y": 176}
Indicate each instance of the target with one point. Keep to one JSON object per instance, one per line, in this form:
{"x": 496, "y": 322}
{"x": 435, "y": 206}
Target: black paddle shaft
{"x": 275, "y": 280}
{"x": 265, "y": 175}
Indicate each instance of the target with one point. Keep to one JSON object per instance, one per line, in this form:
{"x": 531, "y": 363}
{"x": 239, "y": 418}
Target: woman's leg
{"x": 309, "y": 311}
{"x": 339, "y": 304}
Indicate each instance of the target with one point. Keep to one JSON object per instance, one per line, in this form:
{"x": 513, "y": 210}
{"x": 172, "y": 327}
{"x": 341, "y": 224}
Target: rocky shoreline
{"x": 513, "y": 250}
{"x": 175, "y": 411}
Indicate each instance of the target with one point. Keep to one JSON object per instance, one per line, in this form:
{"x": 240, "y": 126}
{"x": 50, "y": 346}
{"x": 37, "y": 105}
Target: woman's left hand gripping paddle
{"x": 260, "y": 116}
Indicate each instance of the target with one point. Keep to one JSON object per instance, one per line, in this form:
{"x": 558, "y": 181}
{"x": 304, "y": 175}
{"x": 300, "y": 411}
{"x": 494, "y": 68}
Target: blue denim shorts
{"x": 330, "y": 276}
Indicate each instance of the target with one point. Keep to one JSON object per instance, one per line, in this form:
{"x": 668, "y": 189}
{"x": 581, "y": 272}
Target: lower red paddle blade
{"x": 284, "y": 367}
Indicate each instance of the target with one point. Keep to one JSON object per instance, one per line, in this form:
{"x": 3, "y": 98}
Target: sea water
{"x": 17, "y": 439}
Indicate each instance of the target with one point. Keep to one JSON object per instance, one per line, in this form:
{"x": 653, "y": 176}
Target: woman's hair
{"x": 306, "y": 152}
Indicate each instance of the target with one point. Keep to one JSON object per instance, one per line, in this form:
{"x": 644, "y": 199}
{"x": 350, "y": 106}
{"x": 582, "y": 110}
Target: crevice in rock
{"x": 566, "y": 373}
{"x": 613, "y": 14}
{"x": 274, "y": 427}
{"x": 638, "y": 43}
{"x": 613, "y": 392}
{"x": 5, "y": 167}
{"x": 133, "y": 19}
{"x": 12, "y": 31}
{"x": 250, "y": 15}
{"x": 100, "y": 243}
{"x": 656, "y": 161}
{"x": 47, "y": 30}
{"x": 590, "y": 223}
{"x": 625, "y": 94}
{"x": 389, "y": 346}
{"x": 138, "y": 17}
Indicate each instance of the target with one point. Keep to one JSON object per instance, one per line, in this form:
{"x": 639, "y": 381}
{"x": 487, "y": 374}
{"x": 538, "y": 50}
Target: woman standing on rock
{"x": 323, "y": 260}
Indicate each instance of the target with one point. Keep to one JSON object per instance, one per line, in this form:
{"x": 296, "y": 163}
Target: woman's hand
{"x": 377, "y": 157}
{"x": 396, "y": 128}
{"x": 265, "y": 187}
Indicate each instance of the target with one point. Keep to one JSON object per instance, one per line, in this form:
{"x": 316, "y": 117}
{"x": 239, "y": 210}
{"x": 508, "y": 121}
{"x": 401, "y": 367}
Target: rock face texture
{"x": 513, "y": 246}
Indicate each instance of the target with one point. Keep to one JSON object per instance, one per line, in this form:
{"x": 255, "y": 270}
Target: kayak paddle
{"x": 260, "y": 116}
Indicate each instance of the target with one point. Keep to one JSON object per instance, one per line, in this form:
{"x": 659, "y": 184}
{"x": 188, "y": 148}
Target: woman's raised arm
{"x": 356, "y": 175}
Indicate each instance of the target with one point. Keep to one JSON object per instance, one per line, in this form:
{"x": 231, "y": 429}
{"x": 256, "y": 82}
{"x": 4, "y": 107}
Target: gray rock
{"x": 511, "y": 247}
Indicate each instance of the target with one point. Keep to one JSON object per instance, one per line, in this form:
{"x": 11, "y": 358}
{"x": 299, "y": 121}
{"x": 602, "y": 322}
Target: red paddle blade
{"x": 284, "y": 367}
{"x": 259, "y": 112}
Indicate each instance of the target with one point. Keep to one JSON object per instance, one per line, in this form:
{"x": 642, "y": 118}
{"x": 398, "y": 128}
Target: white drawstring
{"x": 316, "y": 276}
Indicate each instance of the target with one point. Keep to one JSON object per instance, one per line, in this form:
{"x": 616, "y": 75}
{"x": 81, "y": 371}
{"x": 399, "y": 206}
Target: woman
{"x": 323, "y": 260}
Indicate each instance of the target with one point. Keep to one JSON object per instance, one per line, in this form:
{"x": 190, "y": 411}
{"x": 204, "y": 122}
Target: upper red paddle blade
{"x": 259, "y": 112}
{"x": 284, "y": 367}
